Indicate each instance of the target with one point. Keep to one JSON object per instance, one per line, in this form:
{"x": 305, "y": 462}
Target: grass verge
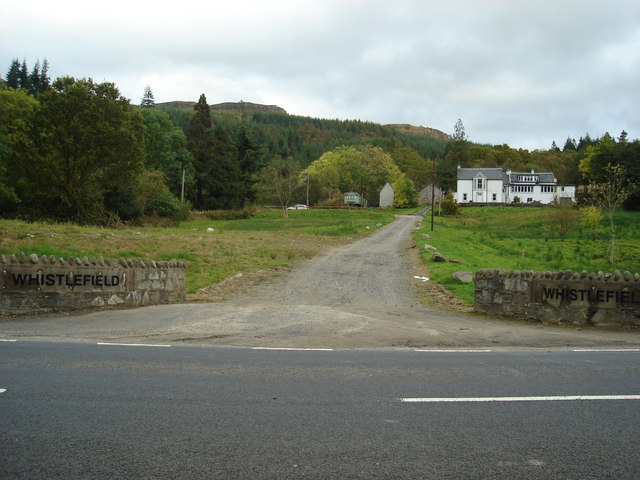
{"x": 523, "y": 239}
{"x": 266, "y": 240}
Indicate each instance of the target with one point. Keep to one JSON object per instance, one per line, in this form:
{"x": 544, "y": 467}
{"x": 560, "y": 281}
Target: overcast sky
{"x": 519, "y": 72}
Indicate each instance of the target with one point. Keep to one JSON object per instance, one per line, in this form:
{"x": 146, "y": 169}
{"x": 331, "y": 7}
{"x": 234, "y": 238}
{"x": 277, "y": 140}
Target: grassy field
{"x": 266, "y": 240}
{"x": 524, "y": 239}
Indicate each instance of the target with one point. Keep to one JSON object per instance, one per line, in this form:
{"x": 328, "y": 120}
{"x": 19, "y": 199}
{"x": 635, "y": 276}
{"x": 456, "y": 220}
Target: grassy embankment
{"x": 524, "y": 239}
{"x": 266, "y": 240}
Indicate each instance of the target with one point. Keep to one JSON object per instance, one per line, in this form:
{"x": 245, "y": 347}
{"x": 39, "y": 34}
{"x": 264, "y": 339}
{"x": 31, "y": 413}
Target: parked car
{"x": 298, "y": 206}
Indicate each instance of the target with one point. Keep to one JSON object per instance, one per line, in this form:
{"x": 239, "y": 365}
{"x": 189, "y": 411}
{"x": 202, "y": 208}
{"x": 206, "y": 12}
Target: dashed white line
{"x": 7, "y": 340}
{"x": 2, "y": 390}
{"x": 520, "y": 399}
{"x": 443, "y": 350}
{"x": 132, "y": 344}
{"x": 294, "y": 349}
{"x": 606, "y": 350}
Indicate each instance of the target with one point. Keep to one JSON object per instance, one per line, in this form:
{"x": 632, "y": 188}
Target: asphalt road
{"x": 89, "y": 411}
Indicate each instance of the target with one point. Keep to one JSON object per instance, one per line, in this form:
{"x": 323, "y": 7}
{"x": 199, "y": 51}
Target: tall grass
{"x": 524, "y": 239}
{"x": 263, "y": 241}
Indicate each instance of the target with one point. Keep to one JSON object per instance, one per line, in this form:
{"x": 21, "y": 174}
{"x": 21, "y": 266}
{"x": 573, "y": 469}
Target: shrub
{"x": 449, "y": 206}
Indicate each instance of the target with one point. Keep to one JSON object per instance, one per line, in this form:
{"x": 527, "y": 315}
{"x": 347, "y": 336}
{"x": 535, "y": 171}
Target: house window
{"x": 464, "y": 197}
{"x": 494, "y": 196}
{"x": 478, "y": 183}
{"x": 527, "y": 178}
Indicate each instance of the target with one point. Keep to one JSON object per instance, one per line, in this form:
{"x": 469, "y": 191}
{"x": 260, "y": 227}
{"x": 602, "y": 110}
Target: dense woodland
{"x": 75, "y": 150}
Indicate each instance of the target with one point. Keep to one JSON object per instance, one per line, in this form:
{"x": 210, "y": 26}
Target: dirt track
{"x": 361, "y": 295}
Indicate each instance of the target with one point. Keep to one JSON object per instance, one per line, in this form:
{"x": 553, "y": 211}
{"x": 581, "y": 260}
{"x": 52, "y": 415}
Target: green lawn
{"x": 524, "y": 239}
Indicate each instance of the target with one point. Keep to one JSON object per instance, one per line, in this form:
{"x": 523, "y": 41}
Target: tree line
{"x": 77, "y": 150}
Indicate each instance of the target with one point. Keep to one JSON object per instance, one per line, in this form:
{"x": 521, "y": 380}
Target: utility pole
{"x": 307, "y": 187}
{"x": 433, "y": 191}
{"x": 182, "y": 191}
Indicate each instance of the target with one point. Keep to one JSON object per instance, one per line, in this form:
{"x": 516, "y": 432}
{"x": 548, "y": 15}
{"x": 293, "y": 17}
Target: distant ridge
{"x": 241, "y": 106}
{"x": 253, "y": 107}
{"x": 421, "y": 131}
{"x": 229, "y": 106}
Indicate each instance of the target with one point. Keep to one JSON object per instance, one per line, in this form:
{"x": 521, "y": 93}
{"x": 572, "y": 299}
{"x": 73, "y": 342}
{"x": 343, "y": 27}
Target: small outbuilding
{"x": 426, "y": 194}
{"x": 387, "y": 196}
{"x": 354, "y": 198}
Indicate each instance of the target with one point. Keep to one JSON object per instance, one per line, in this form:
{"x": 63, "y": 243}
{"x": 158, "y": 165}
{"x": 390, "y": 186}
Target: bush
{"x": 449, "y": 206}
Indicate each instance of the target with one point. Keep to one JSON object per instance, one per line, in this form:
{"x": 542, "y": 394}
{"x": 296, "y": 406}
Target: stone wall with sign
{"x": 31, "y": 284}
{"x": 600, "y": 299}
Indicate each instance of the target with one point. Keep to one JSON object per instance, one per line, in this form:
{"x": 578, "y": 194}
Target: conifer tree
{"x": 35, "y": 84}
{"x": 13, "y": 75}
{"x": 218, "y": 176}
{"x": 24, "y": 80}
{"x": 147, "y": 99}
{"x": 199, "y": 143}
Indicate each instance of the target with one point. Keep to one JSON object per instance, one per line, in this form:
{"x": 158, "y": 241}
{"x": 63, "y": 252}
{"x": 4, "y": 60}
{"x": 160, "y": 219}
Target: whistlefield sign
{"x": 560, "y": 294}
{"x": 39, "y": 280}
{"x": 31, "y": 284}
{"x": 600, "y": 299}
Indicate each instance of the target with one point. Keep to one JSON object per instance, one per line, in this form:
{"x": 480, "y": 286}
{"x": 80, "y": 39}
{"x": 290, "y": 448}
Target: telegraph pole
{"x": 182, "y": 191}
{"x": 433, "y": 191}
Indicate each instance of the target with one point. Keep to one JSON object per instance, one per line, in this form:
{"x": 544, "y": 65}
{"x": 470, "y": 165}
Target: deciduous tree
{"x": 609, "y": 195}
{"x": 89, "y": 152}
{"x": 364, "y": 169}
{"x": 166, "y": 149}
{"x": 17, "y": 110}
{"x": 278, "y": 182}
{"x": 405, "y": 194}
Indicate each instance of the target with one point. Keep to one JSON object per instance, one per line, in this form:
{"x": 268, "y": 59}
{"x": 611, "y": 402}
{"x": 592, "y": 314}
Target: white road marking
{"x": 132, "y": 344}
{"x": 606, "y": 350}
{"x": 7, "y": 340}
{"x": 436, "y": 350}
{"x": 2, "y": 390}
{"x": 294, "y": 349}
{"x": 519, "y": 399}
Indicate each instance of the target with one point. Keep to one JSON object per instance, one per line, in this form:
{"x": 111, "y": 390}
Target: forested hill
{"x": 420, "y": 131}
{"x": 276, "y": 134}
{"x": 229, "y": 106}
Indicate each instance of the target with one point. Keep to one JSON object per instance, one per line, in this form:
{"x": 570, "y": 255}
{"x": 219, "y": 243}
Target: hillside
{"x": 420, "y": 131}
{"x": 229, "y": 106}
{"x": 246, "y": 107}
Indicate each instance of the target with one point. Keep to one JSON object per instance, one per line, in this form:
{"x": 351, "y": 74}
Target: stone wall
{"x": 43, "y": 284}
{"x": 601, "y": 299}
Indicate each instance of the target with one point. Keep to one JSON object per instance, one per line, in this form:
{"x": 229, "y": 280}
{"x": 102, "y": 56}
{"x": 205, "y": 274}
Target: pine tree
{"x": 45, "y": 81}
{"x": 35, "y": 83}
{"x": 13, "y": 75}
{"x": 215, "y": 159}
{"x": 24, "y": 80}
{"x": 147, "y": 99}
{"x": 199, "y": 143}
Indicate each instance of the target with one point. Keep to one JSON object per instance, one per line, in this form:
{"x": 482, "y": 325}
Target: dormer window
{"x": 528, "y": 178}
{"x": 478, "y": 183}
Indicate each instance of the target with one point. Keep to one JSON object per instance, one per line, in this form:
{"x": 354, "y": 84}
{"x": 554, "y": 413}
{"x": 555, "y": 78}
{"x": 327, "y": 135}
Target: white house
{"x": 493, "y": 185}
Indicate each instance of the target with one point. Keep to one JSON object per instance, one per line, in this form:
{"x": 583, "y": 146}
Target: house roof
{"x": 543, "y": 177}
{"x": 489, "y": 173}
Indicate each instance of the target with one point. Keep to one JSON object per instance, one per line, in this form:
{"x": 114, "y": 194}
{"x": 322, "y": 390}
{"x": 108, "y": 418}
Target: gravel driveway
{"x": 360, "y": 295}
